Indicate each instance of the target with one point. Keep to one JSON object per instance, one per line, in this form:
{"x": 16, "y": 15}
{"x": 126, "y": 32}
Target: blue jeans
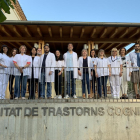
{"x": 23, "y": 80}
{"x": 102, "y": 81}
{"x": 85, "y": 81}
{"x": 70, "y": 78}
{"x": 42, "y": 87}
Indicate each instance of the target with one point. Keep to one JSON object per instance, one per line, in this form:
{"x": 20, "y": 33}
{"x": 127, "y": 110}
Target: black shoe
{"x": 122, "y": 97}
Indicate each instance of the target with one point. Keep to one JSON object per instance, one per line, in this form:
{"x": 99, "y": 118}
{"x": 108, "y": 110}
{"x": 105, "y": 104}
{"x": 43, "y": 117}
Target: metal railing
{"x": 64, "y": 85}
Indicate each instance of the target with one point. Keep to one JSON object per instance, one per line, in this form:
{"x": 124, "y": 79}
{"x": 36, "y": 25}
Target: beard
{"x": 46, "y": 51}
{"x": 136, "y": 49}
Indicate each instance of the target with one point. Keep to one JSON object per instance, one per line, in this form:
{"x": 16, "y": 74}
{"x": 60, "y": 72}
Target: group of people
{"x": 40, "y": 70}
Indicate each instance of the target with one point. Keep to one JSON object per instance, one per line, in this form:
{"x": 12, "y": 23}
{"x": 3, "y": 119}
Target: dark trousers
{"x": 84, "y": 82}
{"x": 32, "y": 87}
{"x": 93, "y": 81}
{"x": 11, "y": 80}
{"x": 58, "y": 79}
{"x": 102, "y": 81}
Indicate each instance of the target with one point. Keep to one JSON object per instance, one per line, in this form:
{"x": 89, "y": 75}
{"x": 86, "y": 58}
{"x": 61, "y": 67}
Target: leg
{"x": 60, "y": 90}
{"x": 88, "y": 82}
{"x": 49, "y": 89}
{"x": 112, "y": 84}
{"x": 17, "y": 86}
{"x": 42, "y": 85}
{"x": 117, "y": 83}
{"x": 56, "y": 82}
{"x": 68, "y": 82}
{"x": 24, "y": 84}
{"x": 99, "y": 86}
{"x": 104, "y": 82}
{"x": 1, "y": 86}
{"x": 83, "y": 84}
{"x": 73, "y": 84}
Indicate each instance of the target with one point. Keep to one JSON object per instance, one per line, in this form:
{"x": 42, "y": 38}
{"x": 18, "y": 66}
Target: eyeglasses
{"x": 114, "y": 51}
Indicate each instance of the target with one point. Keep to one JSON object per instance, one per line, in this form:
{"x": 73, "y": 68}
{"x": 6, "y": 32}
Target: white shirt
{"x": 102, "y": 66}
{"x": 115, "y": 64}
{"x": 93, "y": 62}
{"x": 12, "y": 66}
{"x": 59, "y": 64}
{"x": 21, "y": 61}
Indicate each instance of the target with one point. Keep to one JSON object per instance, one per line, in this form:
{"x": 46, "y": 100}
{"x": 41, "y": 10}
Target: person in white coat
{"x": 126, "y": 64}
{"x": 33, "y": 76}
{"x": 46, "y": 72}
{"x": 84, "y": 72}
{"x": 11, "y": 78}
{"x": 135, "y": 77}
{"x": 4, "y": 70}
{"x": 21, "y": 72}
{"x": 116, "y": 73}
{"x": 102, "y": 71}
{"x": 71, "y": 71}
{"x": 58, "y": 74}
{"x": 93, "y": 80}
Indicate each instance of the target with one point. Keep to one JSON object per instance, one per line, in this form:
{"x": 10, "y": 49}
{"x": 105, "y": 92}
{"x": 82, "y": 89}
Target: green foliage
{"x": 5, "y": 6}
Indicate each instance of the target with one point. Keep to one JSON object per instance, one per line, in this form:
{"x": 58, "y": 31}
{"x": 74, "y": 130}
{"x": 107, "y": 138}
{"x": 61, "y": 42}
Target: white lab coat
{"x": 21, "y": 61}
{"x": 115, "y": 64}
{"x": 102, "y": 66}
{"x": 133, "y": 59}
{"x": 4, "y": 74}
{"x": 50, "y": 66}
{"x": 80, "y": 65}
{"x": 35, "y": 67}
{"x": 75, "y": 65}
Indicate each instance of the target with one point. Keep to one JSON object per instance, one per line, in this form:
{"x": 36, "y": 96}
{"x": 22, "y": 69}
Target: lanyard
{"x": 113, "y": 60}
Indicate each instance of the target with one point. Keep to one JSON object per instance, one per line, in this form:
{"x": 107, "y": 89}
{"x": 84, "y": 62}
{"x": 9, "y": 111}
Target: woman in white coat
{"x": 116, "y": 73}
{"x": 11, "y": 78}
{"x": 102, "y": 71}
{"x": 46, "y": 72}
{"x": 84, "y": 72}
{"x": 33, "y": 73}
{"x": 4, "y": 70}
{"x": 58, "y": 74}
{"x": 126, "y": 64}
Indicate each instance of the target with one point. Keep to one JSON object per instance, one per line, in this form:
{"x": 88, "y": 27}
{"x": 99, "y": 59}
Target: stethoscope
{"x": 113, "y": 60}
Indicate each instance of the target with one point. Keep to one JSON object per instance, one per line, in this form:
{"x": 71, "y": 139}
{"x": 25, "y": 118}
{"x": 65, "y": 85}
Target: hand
{"x": 3, "y": 66}
{"x": 20, "y": 69}
{"x": 60, "y": 73}
{"x": 91, "y": 73}
{"x": 96, "y": 75}
{"x": 50, "y": 73}
{"x": 109, "y": 74}
{"x": 129, "y": 74}
{"x": 120, "y": 74}
{"x": 79, "y": 72}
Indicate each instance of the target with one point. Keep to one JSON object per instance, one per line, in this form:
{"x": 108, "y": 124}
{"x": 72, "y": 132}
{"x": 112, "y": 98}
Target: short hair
{"x": 47, "y": 44}
{"x": 136, "y": 44}
{"x": 94, "y": 51}
{"x": 3, "y": 46}
{"x": 113, "y": 50}
{"x": 101, "y": 51}
{"x": 84, "y": 50}
{"x": 70, "y": 43}
{"x": 35, "y": 50}
{"x": 121, "y": 50}
{"x": 13, "y": 50}
{"x": 21, "y": 47}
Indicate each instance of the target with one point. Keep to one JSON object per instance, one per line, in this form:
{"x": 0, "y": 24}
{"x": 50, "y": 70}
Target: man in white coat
{"x": 135, "y": 59}
{"x": 71, "y": 70}
{"x": 46, "y": 72}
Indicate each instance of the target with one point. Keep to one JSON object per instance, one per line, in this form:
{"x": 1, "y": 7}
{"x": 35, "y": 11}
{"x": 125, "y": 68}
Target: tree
{"x": 5, "y": 6}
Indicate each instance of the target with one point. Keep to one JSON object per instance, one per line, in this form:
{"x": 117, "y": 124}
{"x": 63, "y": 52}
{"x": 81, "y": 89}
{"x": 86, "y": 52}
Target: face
{"x": 22, "y": 50}
{"x": 33, "y": 51}
{"x": 57, "y": 53}
{"x": 84, "y": 53}
{"x": 70, "y": 47}
{"x": 5, "y": 50}
{"x": 101, "y": 53}
{"x": 92, "y": 53}
{"x": 46, "y": 49}
{"x": 39, "y": 51}
{"x": 122, "y": 51}
{"x": 114, "y": 52}
{"x": 14, "y": 52}
{"x": 137, "y": 47}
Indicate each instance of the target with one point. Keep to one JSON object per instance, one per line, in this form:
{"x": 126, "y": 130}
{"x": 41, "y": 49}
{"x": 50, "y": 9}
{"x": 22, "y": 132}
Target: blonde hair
{"x": 101, "y": 51}
{"x": 114, "y": 49}
{"x": 84, "y": 50}
{"x": 21, "y": 47}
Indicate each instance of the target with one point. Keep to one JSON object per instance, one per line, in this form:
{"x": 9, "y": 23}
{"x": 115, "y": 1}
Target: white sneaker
{"x": 59, "y": 97}
{"x": 67, "y": 97}
{"x": 16, "y": 98}
{"x": 74, "y": 96}
{"x": 56, "y": 97}
{"x": 23, "y": 98}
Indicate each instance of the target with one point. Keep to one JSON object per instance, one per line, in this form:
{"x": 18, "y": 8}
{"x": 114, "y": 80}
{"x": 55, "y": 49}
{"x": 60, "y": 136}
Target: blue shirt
{"x": 138, "y": 59}
{"x": 69, "y": 62}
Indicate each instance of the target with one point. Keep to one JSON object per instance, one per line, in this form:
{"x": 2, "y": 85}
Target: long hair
{"x": 35, "y": 50}
{"x": 13, "y": 50}
{"x": 94, "y": 54}
{"x": 60, "y": 57}
{"x": 122, "y": 49}
{"x": 3, "y": 46}
{"x": 84, "y": 50}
